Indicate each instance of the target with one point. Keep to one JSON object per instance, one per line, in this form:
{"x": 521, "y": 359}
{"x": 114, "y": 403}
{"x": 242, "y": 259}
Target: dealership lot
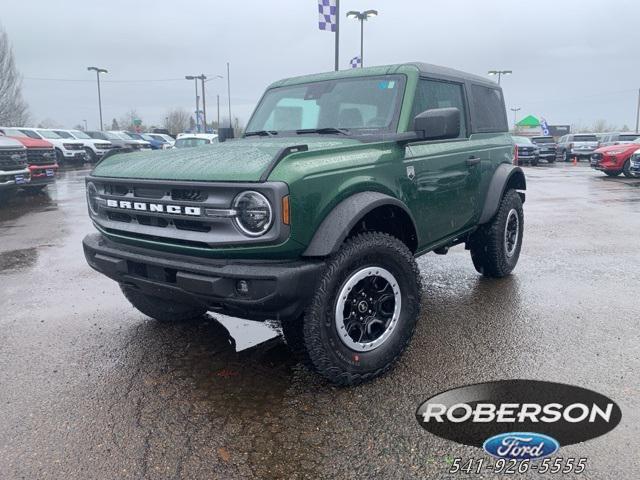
{"x": 93, "y": 389}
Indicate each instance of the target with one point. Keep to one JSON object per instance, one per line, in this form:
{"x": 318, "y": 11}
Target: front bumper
{"x": 43, "y": 174}
{"x": 79, "y": 155}
{"x": 581, "y": 153}
{"x": 276, "y": 289}
{"x": 14, "y": 178}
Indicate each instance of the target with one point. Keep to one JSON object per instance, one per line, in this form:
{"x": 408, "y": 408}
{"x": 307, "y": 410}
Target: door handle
{"x": 471, "y": 161}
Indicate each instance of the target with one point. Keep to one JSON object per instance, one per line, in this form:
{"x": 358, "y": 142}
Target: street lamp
{"x": 515, "y": 113}
{"x": 98, "y": 72}
{"x": 362, "y": 16}
{"x": 195, "y": 79}
{"x": 499, "y": 73}
{"x": 204, "y": 80}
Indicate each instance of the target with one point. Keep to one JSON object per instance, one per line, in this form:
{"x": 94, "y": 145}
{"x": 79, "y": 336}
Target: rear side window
{"x": 585, "y": 138}
{"x": 435, "y": 94}
{"x": 488, "y": 109}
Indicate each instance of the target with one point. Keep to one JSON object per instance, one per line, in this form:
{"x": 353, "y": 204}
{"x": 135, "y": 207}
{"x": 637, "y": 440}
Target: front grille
{"x": 188, "y": 195}
{"x": 13, "y": 159}
{"x": 41, "y": 156}
{"x": 73, "y": 146}
{"x": 525, "y": 151}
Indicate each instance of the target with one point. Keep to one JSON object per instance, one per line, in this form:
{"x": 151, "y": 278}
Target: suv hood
{"x": 241, "y": 160}
{"x": 33, "y": 142}
{"x": 625, "y": 147}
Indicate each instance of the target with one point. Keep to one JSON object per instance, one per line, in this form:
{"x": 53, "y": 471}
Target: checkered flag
{"x": 356, "y": 62}
{"x": 327, "y": 15}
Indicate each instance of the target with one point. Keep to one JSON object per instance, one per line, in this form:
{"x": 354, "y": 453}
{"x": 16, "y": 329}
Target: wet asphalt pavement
{"x": 92, "y": 389}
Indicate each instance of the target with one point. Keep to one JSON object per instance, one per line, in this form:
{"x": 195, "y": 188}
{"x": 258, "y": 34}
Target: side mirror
{"x": 224, "y": 134}
{"x": 437, "y": 124}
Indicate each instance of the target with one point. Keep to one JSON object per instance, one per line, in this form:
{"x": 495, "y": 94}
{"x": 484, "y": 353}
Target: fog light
{"x": 242, "y": 287}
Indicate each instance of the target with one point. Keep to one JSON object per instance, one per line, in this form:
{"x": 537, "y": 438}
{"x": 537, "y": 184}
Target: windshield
{"x": 117, "y": 136}
{"x": 628, "y": 138}
{"x": 133, "y": 136}
{"x": 97, "y": 135}
{"x": 190, "y": 142}
{"x": 365, "y": 104}
{"x": 63, "y": 134}
{"x": 157, "y": 138}
{"x": 522, "y": 140}
{"x": 542, "y": 140}
{"x": 48, "y": 134}
{"x": 12, "y": 132}
{"x": 585, "y": 138}
{"x": 31, "y": 134}
{"x": 79, "y": 134}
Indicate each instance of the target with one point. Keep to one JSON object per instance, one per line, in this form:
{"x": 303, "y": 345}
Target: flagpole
{"x": 337, "y": 66}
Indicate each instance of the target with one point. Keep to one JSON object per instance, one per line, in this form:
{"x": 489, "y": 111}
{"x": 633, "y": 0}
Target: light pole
{"x": 195, "y": 82}
{"x": 515, "y": 113}
{"x": 499, "y": 73}
{"x": 229, "y": 94}
{"x": 362, "y": 16}
{"x": 218, "y": 99}
{"x": 98, "y": 72}
{"x": 204, "y": 80}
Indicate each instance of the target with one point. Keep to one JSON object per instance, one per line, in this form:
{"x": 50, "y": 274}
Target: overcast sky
{"x": 574, "y": 61}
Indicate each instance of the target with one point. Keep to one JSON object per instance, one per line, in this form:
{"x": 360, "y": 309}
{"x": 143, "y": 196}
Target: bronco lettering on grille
{"x": 154, "y": 207}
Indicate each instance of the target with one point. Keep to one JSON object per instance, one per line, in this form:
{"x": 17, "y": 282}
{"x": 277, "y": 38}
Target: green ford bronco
{"x": 316, "y": 215}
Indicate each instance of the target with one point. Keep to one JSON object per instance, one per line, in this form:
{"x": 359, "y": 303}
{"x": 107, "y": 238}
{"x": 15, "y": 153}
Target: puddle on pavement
{"x": 18, "y": 259}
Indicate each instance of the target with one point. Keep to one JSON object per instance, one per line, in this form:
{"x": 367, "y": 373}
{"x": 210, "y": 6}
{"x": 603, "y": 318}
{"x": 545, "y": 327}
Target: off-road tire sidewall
{"x": 329, "y": 355}
{"x": 487, "y": 247}
{"x": 161, "y": 309}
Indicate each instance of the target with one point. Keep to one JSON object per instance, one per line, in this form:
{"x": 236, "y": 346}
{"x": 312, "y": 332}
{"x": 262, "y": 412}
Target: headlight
{"x": 92, "y": 198}
{"x": 254, "y": 214}
{"x": 615, "y": 152}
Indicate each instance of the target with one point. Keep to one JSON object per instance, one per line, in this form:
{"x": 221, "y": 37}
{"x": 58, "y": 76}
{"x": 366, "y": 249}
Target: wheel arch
{"x": 504, "y": 178}
{"x": 360, "y": 212}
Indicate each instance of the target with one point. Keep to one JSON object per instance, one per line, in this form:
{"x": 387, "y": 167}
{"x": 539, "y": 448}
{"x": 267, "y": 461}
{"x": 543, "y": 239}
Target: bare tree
{"x": 127, "y": 121}
{"x": 603, "y": 126}
{"x": 177, "y": 121}
{"x": 49, "y": 123}
{"x": 13, "y": 109}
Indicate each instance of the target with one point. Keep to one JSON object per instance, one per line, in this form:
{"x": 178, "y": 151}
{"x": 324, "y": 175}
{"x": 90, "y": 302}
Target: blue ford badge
{"x": 521, "y": 446}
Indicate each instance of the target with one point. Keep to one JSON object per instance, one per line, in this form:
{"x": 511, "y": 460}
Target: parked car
{"x": 41, "y": 159}
{"x": 317, "y": 220}
{"x": 13, "y": 166}
{"x": 618, "y": 138}
{"x": 578, "y": 145}
{"x": 95, "y": 148}
{"x": 166, "y": 140}
{"x": 526, "y": 151}
{"x": 115, "y": 140}
{"x": 634, "y": 164}
{"x": 133, "y": 139}
{"x": 67, "y": 150}
{"x": 155, "y": 144}
{"x": 614, "y": 159}
{"x": 547, "y": 148}
{"x": 188, "y": 140}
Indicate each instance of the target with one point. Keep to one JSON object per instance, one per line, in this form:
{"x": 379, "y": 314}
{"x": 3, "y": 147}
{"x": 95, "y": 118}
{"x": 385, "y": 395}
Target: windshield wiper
{"x": 261, "y": 133}
{"x": 325, "y": 130}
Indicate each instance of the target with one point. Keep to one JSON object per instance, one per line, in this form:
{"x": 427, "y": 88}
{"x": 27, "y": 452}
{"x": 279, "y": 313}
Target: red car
{"x": 41, "y": 157}
{"x": 614, "y": 159}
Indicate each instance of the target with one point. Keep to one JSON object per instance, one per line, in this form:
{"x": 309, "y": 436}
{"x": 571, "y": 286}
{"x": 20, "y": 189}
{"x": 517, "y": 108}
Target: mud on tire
{"x": 492, "y": 253}
{"x": 161, "y": 309}
{"x": 321, "y": 341}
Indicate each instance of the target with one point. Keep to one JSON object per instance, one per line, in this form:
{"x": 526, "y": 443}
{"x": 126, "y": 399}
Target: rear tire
{"x": 566, "y": 157}
{"x": 364, "y": 311}
{"x": 495, "y": 247}
{"x": 161, "y": 309}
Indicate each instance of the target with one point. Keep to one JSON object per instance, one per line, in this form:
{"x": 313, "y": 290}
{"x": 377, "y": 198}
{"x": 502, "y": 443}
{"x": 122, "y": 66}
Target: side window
{"x": 489, "y": 114}
{"x": 435, "y": 94}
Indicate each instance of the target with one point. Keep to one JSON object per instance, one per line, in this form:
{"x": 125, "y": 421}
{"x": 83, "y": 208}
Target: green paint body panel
{"x": 445, "y": 195}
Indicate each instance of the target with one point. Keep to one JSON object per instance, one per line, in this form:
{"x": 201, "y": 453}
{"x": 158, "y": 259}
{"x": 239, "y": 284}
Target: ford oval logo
{"x": 521, "y": 446}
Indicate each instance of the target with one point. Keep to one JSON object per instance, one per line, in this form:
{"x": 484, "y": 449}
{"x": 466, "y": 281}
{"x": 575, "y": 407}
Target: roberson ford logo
{"x": 519, "y": 419}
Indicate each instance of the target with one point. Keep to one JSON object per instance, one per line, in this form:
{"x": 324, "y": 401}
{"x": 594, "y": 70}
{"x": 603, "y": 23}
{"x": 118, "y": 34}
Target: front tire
{"x": 566, "y": 157}
{"x": 610, "y": 173}
{"x": 495, "y": 247}
{"x": 161, "y": 309}
{"x": 91, "y": 155}
{"x": 364, "y": 311}
{"x": 626, "y": 169}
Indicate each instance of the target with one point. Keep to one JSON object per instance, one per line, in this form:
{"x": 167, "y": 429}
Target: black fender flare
{"x": 335, "y": 227}
{"x": 504, "y": 175}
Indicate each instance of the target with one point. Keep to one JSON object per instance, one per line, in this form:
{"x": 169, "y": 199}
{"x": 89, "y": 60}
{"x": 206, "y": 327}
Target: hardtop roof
{"x": 425, "y": 69}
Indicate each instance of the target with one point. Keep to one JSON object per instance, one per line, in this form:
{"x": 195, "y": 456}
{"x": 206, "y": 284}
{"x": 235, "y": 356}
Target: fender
{"x": 504, "y": 174}
{"x": 336, "y": 226}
